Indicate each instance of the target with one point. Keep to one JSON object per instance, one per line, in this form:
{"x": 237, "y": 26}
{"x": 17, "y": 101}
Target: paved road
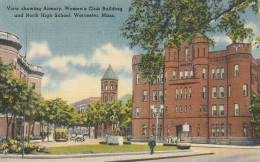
{"x": 221, "y": 155}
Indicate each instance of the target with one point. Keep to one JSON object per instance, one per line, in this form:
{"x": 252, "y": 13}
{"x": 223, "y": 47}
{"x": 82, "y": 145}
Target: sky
{"x": 74, "y": 52}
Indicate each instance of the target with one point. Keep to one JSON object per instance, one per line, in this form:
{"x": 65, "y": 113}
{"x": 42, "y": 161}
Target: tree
{"x": 155, "y": 24}
{"x": 255, "y": 112}
{"x": 12, "y": 94}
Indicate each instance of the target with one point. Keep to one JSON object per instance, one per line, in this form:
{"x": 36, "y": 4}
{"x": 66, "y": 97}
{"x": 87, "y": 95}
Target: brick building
{"x": 82, "y": 105}
{"x": 9, "y": 53}
{"x": 209, "y": 91}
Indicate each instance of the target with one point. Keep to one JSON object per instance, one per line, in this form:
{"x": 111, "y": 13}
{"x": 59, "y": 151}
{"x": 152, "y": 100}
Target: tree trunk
{"x": 96, "y": 127}
{"x": 33, "y": 126}
{"x": 42, "y": 131}
{"x": 89, "y": 131}
{"x": 48, "y": 129}
{"x": 29, "y": 131}
{"x": 8, "y": 122}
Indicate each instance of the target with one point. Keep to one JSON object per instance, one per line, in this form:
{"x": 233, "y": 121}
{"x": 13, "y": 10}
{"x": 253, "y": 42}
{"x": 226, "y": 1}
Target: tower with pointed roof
{"x": 109, "y": 86}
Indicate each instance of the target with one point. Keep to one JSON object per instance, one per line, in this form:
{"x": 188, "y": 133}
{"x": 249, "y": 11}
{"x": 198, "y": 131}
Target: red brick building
{"x": 9, "y": 53}
{"x": 209, "y": 91}
{"x": 82, "y": 105}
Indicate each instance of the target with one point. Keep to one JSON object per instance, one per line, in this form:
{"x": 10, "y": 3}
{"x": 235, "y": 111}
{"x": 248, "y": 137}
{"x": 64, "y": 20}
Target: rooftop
{"x": 109, "y": 74}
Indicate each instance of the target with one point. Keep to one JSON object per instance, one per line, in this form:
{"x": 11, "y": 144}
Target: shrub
{"x": 103, "y": 142}
{"x": 183, "y": 147}
{"x": 14, "y": 146}
{"x": 127, "y": 143}
{"x": 113, "y": 143}
{"x": 170, "y": 144}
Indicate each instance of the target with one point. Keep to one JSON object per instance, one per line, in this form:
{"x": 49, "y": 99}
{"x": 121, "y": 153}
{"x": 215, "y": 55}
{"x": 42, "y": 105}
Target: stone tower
{"x": 109, "y": 86}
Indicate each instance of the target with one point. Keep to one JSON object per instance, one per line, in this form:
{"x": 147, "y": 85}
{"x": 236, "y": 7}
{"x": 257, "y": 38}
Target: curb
{"x": 104, "y": 155}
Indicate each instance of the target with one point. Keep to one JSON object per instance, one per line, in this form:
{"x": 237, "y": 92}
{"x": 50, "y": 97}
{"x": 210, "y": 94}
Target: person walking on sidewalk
{"x": 152, "y": 144}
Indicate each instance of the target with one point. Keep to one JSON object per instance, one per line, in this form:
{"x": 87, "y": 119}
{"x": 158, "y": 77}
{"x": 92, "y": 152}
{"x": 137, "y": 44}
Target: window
{"x": 229, "y": 129}
{"x": 221, "y": 109}
{"x": 181, "y": 92}
{"x": 165, "y": 76}
{"x": 244, "y": 90}
{"x": 214, "y": 109}
{"x": 185, "y": 93}
{"x": 145, "y": 96}
{"x": 203, "y": 73}
{"x": 229, "y": 91}
{"x": 106, "y": 87}
{"x": 203, "y": 92}
{"x": 214, "y": 92}
{"x": 144, "y": 130}
{"x": 137, "y": 112}
{"x": 217, "y": 73}
{"x": 236, "y": 109}
{"x": 168, "y": 131}
{"x": 186, "y": 54}
{"x": 174, "y": 74}
{"x": 154, "y": 95}
{"x": 198, "y": 130}
{"x": 245, "y": 130}
{"x": 112, "y": 87}
{"x": 222, "y": 73}
{"x": 236, "y": 70}
{"x": 191, "y": 74}
{"x": 153, "y": 130}
{"x": 181, "y": 74}
{"x": 190, "y": 107}
{"x": 221, "y": 92}
{"x": 198, "y": 52}
{"x": 185, "y": 109}
{"x": 180, "y": 108}
{"x": 212, "y": 73}
{"x": 200, "y": 108}
{"x": 176, "y": 109}
{"x": 33, "y": 85}
{"x": 217, "y": 132}
{"x": 137, "y": 78}
{"x": 213, "y": 130}
{"x": 160, "y": 95}
{"x": 161, "y": 77}
{"x": 190, "y": 92}
{"x": 222, "y": 130}
{"x": 186, "y": 74}
{"x": 177, "y": 93}
{"x": 165, "y": 94}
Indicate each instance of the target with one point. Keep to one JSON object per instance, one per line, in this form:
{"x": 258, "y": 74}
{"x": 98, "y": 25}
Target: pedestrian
{"x": 152, "y": 144}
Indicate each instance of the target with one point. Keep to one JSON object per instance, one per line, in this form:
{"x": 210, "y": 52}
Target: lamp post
{"x": 157, "y": 111}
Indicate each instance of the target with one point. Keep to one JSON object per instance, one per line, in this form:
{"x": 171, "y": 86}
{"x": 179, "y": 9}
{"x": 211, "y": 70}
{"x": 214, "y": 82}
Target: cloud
{"x": 118, "y": 58}
{"x": 253, "y": 26}
{"x": 63, "y": 64}
{"x": 223, "y": 39}
{"x": 39, "y": 50}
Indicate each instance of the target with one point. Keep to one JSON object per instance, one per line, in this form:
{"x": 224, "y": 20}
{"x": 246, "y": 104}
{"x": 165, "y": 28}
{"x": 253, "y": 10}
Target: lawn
{"x": 98, "y": 148}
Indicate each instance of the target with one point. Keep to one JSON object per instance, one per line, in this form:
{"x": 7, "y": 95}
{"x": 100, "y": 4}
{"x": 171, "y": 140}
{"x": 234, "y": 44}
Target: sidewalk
{"x": 125, "y": 156}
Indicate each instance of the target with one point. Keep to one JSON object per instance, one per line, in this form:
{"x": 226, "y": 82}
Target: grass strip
{"x": 97, "y": 148}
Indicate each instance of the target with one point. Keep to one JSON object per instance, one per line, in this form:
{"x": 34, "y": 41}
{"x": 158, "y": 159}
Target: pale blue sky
{"x": 75, "y": 52}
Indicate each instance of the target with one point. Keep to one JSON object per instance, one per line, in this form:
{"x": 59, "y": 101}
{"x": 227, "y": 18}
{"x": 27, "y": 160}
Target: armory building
{"x": 209, "y": 91}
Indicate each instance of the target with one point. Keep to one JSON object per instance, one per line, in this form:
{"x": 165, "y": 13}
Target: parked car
{"x": 80, "y": 138}
{"x": 73, "y": 137}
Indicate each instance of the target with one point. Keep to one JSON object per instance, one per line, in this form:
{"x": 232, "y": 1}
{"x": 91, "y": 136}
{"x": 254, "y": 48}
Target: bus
{"x": 61, "y": 135}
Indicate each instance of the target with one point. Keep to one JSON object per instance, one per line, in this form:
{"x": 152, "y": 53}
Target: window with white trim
{"x": 176, "y": 109}
{"x": 217, "y": 73}
{"x": 222, "y": 73}
{"x": 236, "y": 109}
{"x": 186, "y": 54}
{"x": 191, "y": 74}
{"x": 236, "y": 70}
{"x": 174, "y": 74}
{"x": 154, "y": 95}
{"x": 214, "y": 109}
{"x": 181, "y": 93}
{"x": 177, "y": 93}
{"x": 190, "y": 92}
{"x": 181, "y": 74}
{"x": 221, "y": 109}
{"x": 186, "y": 74}
{"x": 203, "y": 92}
{"x": 244, "y": 90}
{"x": 212, "y": 73}
{"x": 160, "y": 95}
{"x": 144, "y": 130}
{"x": 203, "y": 73}
{"x": 137, "y": 112}
{"x": 229, "y": 91}
{"x": 221, "y": 91}
{"x": 185, "y": 93}
{"x": 214, "y": 92}
{"x": 145, "y": 96}
{"x": 137, "y": 78}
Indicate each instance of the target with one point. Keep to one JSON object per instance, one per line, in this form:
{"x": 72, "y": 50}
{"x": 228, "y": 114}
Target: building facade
{"x": 82, "y": 105}
{"x": 9, "y": 53}
{"x": 208, "y": 91}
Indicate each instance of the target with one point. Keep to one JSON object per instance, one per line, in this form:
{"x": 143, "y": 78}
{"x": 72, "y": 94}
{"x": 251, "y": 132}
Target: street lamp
{"x": 157, "y": 111}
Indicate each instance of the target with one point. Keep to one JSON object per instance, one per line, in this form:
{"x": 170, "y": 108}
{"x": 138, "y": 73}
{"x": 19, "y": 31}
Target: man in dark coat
{"x": 152, "y": 144}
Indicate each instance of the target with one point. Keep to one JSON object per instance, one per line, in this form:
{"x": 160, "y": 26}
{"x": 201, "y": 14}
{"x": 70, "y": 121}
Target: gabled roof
{"x": 109, "y": 74}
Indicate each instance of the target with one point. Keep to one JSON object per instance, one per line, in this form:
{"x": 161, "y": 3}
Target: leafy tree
{"x": 155, "y": 24}
{"x": 12, "y": 94}
{"x": 255, "y": 111}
